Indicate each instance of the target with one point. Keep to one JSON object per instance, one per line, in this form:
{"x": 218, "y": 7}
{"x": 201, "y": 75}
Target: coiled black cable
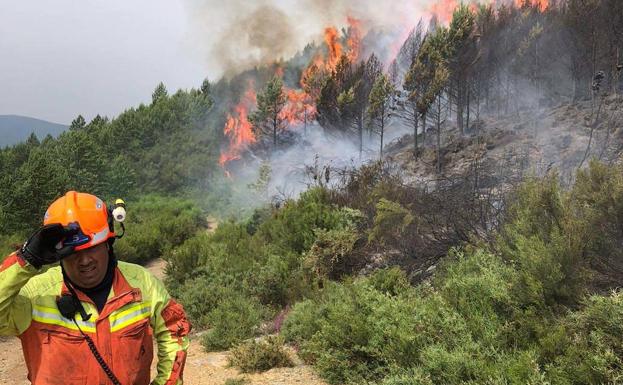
{"x": 98, "y": 357}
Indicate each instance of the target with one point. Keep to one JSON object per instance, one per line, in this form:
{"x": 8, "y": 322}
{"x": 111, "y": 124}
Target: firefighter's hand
{"x": 41, "y": 248}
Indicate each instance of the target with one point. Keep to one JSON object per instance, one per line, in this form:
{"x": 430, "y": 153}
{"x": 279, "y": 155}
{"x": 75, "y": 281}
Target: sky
{"x": 62, "y": 58}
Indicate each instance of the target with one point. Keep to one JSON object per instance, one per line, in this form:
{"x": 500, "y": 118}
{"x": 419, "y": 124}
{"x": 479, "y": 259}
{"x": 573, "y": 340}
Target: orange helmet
{"x": 87, "y": 213}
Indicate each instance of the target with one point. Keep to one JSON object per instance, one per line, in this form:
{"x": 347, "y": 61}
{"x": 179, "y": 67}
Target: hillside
{"x": 15, "y": 129}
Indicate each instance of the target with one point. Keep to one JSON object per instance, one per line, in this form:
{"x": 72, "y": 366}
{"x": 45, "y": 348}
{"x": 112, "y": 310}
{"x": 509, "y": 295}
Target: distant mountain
{"x": 15, "y": 129}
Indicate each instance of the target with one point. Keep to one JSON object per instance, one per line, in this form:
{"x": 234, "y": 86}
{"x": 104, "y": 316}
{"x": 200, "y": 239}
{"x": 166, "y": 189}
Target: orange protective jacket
{"x": 138, "y": 310}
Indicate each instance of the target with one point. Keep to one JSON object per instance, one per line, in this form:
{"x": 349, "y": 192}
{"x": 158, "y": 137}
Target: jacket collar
{"x": 121, "y": 294}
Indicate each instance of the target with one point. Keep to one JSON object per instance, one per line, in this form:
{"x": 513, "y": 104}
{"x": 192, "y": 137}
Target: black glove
{"x": 40, "y": 249}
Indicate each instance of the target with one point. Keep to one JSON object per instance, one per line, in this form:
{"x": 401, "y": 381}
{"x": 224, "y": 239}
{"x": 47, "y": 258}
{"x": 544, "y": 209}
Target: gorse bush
{"x": 155, "y": 225}
{"x": 512, "y": 310}
{"x": 259, "y": 356}
{"x": 254, "y": 267}
{"x": 464, "y": 328}
{"x": 546, "y": 243}
{"x": 587, "y": 347}
{"x": 233, "y": 320}
{"x": 293, "y": 227}
{"x": 225, "y": 254}
{"x": 331, "y": 254}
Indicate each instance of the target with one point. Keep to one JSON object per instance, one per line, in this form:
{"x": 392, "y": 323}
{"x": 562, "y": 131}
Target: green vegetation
{"x": 163, "y": 148}
{"x": 533, "y": 305}
{"x": 156, "y": 225}
{"x": 251, "y": 269}
{"x": 259, "y": 356}
{"x": 520, "y": 312}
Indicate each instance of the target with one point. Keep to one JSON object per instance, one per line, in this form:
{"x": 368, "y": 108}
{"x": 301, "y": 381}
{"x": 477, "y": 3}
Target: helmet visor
{"x": 77, "y": 239}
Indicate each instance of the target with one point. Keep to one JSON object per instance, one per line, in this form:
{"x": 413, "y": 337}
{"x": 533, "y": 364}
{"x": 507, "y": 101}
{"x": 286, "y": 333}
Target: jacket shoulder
{"x": 139, "y": 277}
{"x": 47, "y": 283}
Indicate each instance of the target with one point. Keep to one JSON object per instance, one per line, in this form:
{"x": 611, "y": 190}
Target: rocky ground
{"x": 528, "y": 141}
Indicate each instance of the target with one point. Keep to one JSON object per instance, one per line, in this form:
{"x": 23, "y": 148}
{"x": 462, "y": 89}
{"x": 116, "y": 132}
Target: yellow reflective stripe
{"x": 130, "y": 316}
{"x": 52, "y": 316}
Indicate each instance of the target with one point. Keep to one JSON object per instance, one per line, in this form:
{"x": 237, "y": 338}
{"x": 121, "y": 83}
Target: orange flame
{"x": 299, "y": 109}
{"x": 542, "y": 4}
{"x": 238, "y": 128}
{"x": 354, "y": 39}
{"x": 444, "y": 9}
{"x": 335, "y": 48}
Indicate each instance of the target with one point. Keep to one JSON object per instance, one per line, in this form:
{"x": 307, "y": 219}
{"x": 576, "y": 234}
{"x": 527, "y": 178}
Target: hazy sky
{"x": 62, "y": 58}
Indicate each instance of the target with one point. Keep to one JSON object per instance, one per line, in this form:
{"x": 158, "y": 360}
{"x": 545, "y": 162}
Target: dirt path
{"x": 201, "y": 368}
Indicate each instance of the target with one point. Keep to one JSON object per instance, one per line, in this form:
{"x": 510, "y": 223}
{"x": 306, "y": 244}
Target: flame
{"x": 299, "y": 109}
{"x": 542, "y": 4}
{"x": 444, "y": 9}
{"x": 300, "y": 106}
{"x": 354, "y": 39}
{"x": 238, "y": 128}
{"x": 334, "y": 46}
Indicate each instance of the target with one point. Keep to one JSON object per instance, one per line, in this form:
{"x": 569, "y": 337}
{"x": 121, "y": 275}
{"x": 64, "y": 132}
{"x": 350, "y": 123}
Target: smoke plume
{"x": 238, "y": 34}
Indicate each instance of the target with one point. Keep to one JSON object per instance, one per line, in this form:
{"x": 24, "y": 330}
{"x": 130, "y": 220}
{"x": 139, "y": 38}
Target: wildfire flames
{"x": 300, "y": 107}
{"x": 444, "y": 9}
{"x": 238, "y": 128}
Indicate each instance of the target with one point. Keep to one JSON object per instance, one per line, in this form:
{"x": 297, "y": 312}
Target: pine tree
{"x": 160, "y": 92}
{"x": 267, "y": 119}
{"x": 381, "y": 97}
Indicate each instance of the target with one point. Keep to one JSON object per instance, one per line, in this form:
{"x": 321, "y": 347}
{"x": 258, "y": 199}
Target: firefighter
{"x": 91, "y": 319}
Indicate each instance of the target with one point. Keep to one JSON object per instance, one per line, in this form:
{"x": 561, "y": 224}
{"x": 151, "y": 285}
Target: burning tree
{"x": 268, "y": 118}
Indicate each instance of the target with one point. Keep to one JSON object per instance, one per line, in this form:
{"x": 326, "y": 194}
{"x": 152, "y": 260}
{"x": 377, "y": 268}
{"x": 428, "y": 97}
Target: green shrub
{"x": 271, "y": 279}
{"x": 203, "y": 294}
{"x": 407, "y": 377}
{"x": 392, "y": 281}
{"x": 478, "y": 286}
{"x": 588, "y": 349}
{"x": 234, "y": 319}
{"x": 546, "y": 244}
{"x": 224, "y": 253}
{"x": 293, "y": 228}
{"x": 330, "y": 255}
{"x": 259, "y": 356}
{"x": 155, "y": 225}
{"x": 597, "y": 199}
{"x": 390, "y": 221}
{"x": 302, "y": 322}
{"x": 9, "y": 243}
{"x": 358, "y": 333}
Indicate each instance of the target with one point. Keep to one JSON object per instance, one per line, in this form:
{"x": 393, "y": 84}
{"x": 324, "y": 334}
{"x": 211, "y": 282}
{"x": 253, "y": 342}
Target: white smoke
{"x": 292, "y": 169}
{"x": 239, "y": 34}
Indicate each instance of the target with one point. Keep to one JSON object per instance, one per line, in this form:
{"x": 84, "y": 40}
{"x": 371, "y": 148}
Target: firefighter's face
{"x": 87, "y": 268}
